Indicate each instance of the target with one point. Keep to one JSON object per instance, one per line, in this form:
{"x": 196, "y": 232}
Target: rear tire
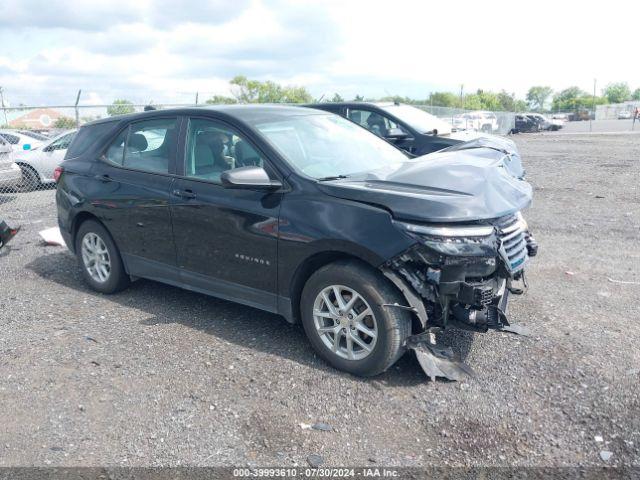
{"x": 370, "y": 355}
{"x": 99, "y": 258}
{"x": 30, "y": 179}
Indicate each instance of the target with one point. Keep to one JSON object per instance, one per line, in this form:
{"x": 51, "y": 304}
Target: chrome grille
{"x": 513, "y": 238}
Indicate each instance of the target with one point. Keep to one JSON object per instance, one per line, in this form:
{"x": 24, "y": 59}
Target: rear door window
{"x": 150, "y": 146}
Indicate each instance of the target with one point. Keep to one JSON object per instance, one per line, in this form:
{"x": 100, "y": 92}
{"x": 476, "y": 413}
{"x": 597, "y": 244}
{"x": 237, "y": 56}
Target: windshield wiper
{"x": 334, "y": 177}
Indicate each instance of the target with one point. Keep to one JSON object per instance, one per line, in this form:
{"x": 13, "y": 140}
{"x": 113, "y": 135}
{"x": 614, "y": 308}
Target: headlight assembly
{"x": 464, "y": 240}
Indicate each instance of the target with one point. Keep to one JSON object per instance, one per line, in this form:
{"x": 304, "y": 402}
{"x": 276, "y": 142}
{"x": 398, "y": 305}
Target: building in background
{"x": 37, "y": 119}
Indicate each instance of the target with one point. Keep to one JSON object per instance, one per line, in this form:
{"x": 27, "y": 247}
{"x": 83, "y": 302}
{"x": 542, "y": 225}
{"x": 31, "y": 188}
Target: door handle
{"x": 184, "y": 193}
{"x": 104, "y": 178}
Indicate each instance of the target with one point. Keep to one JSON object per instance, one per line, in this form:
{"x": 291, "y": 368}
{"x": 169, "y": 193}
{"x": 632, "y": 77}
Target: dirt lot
{"x": 160, "y": 376}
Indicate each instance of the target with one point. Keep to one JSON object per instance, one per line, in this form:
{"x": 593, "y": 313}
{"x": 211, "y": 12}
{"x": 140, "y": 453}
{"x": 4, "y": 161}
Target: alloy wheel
{"x": 345, "y": 322}
{"x": 95, "y": 257}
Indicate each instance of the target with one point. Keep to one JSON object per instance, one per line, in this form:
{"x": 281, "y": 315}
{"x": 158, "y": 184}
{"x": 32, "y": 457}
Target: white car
{"x": 38, "y": 164}
{"x": 10, "y": 173}
{"x": 23, "y": 139}
{"x": 478, "y": 121}
{"x": 624, "y": 115}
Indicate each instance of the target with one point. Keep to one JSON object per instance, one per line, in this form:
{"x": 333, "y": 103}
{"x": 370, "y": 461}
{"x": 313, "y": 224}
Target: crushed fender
{"x": 436, "y": 360}
{"x": 7, "y": 233}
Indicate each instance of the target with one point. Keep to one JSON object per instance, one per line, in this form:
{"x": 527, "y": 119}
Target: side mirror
{"x": 26, "y": 146}
{"x": 396, "y": 134}
{"x": 250, "y": 178}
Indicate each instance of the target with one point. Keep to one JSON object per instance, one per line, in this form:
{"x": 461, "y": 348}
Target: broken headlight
{"x": 457, "y": 241}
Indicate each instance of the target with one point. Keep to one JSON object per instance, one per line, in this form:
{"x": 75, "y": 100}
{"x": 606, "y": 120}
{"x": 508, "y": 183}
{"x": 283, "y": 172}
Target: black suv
{"x": 302, "y": 213}
{"x": 407, "y": 127}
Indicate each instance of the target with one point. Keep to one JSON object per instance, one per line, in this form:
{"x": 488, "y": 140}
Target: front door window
{"x": 213, "y": 148}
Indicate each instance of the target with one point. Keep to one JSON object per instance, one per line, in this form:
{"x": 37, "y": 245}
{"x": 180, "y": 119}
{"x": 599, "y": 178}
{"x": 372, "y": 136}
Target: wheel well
{"x": 79, "y": 219}
{"x": 26, "y": 165}
{"x": 308, "y": 268}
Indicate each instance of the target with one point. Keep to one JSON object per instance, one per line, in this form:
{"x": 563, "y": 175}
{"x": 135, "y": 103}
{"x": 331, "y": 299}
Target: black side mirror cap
{"x": 249, "y": 178}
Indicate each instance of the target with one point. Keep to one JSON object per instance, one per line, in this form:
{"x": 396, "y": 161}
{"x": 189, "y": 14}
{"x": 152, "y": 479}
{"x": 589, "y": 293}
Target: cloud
{"x": 166, "y": 50}
{"x": 96, "y": 15}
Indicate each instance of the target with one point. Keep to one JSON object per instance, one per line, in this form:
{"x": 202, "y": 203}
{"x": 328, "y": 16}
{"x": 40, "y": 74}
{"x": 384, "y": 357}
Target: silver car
{"x": 10, "y": 173}
{"x": 39, "y": 163}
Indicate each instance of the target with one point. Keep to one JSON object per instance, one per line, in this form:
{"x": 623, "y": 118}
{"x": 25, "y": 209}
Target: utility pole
{"x": 3, "y": 109}
{"x": 76, "y": 109}
{"x": 196, "y": 98}
{"x": 461, "y": 96}
{"x": 593, "y": 104}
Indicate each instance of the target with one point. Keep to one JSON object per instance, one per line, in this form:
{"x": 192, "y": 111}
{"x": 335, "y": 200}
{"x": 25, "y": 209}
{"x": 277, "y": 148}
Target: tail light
{"x": 57, "y": 173}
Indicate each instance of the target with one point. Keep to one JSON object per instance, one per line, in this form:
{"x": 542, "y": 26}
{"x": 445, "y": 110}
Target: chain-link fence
{"x": 499, "y": 123}
{"x": 33, "y": 142}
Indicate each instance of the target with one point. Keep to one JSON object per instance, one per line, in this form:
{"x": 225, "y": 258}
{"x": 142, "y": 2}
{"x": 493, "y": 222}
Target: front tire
{"x": 345, "y": 320}
{"x": 99, "y": 258}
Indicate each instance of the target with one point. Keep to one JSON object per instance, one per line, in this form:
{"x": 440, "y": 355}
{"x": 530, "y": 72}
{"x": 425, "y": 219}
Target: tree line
{"x": 538, "y": 98}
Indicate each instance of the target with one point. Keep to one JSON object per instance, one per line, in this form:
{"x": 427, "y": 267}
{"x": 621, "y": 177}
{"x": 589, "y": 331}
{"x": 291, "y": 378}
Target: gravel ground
{"x": 160, "y": 376}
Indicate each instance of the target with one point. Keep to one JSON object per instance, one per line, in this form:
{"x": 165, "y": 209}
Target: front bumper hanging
{"x": 446, "y": 295}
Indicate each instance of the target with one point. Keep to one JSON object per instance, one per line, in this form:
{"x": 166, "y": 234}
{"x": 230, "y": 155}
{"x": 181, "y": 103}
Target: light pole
{"x": 4, "y": 110}
{"x": 593, "y": 104}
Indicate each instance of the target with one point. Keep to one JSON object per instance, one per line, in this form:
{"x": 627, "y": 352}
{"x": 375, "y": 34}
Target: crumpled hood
{"x": 494, "y": 142}
{"x": 451, "y": 185}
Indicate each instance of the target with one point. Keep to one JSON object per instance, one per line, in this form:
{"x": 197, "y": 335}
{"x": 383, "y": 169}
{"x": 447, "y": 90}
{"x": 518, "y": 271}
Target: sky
{"x": 165, "y": 51}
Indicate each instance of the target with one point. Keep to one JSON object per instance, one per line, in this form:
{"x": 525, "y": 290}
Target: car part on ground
{"x": 365, "y": 244}
{"x": 52, "y": 236}
{"x": 6, "y": 233}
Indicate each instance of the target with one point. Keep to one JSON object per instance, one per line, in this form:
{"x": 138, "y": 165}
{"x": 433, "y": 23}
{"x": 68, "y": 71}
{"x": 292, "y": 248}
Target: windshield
{"x": 328, "y": 145}
{"x": 418, "y": 119}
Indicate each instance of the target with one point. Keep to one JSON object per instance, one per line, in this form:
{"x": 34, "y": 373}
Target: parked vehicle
{"x": 625, "y": 115}
{"x": 10, "y": 175}
{"x": 302, "y": 213}
{"x": 5, "y": 149}
{"x": 525, "y": 124}
{"x": 38, "y": 164}
{"x": 23, "y": 139}
{"x": 545, "y": 122}
{"x": 556, "y": 123}
{"x": 410, "y": 128}
{"x": 407, "y": 127}
{"x": 478, "y": 121}
{"x": 581, "y": 116}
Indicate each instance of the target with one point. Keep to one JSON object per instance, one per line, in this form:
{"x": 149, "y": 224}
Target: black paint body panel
{"x": 248, "y": 246}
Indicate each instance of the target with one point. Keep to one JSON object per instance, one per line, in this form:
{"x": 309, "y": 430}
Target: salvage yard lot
{"x": 160, "y": 376}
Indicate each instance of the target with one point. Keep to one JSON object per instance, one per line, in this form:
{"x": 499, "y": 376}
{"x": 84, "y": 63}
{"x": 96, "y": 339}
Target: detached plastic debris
{"x": 6, "y": 233}
{"x": 438, "y": 361}
{"x": 52, "y": 236}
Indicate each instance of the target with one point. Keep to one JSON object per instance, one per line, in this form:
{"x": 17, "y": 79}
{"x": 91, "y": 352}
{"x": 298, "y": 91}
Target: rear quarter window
{"x": 88, "y": 136}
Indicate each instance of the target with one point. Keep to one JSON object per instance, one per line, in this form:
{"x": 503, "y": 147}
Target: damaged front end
{"x": 460, "y": 275}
